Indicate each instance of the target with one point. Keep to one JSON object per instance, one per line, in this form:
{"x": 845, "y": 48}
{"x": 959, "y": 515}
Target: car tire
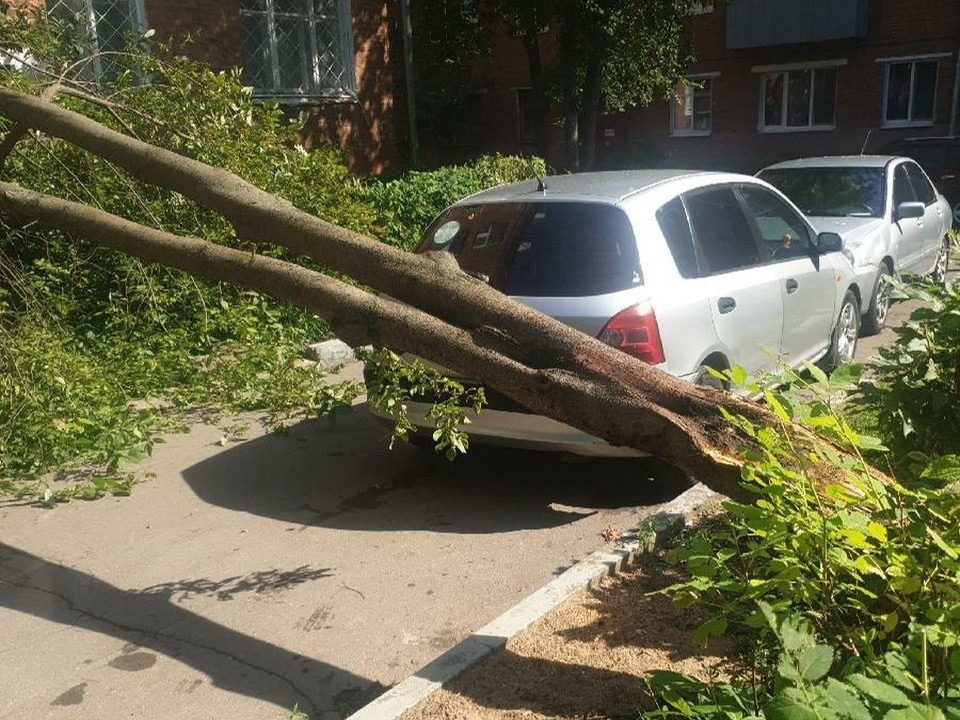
{"x": 876, "y": 314}
{"x": 942, "y": 264}
{"x": 705, "y": 378}
{"x": 843, "y": 340}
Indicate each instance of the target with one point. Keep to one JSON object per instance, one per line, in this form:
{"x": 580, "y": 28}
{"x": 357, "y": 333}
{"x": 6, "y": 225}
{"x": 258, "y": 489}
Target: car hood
{"x": 858, "y": 233}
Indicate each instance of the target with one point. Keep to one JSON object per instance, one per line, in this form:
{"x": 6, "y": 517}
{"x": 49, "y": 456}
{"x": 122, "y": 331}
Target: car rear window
{"x": 545, "y": 249}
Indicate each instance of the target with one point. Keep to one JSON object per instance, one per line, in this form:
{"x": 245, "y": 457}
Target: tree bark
{"x": 547, "y": 366}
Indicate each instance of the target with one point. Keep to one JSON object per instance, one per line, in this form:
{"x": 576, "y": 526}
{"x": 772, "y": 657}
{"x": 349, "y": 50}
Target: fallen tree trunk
{"x": 537, "y": 361}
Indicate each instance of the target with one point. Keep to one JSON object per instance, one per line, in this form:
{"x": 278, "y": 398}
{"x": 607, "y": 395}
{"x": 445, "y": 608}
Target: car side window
{"x": 672, "y": 219}
{"x": 783, "y": 232}
{"x": 902, "y": 189}
{"x": 723, "y": 235}
{"x": 921, "y": 186}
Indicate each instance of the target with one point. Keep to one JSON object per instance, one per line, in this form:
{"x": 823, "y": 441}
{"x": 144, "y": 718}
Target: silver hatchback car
{"x": 682, "y": 270}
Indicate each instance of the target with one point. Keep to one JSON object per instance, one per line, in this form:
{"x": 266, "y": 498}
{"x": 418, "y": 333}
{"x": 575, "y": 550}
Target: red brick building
{"x": 336, "y": 60}
{"x": 773, "y": 79}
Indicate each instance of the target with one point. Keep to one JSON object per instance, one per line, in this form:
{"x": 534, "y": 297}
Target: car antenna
{"x": 541, "y": 185}
{"x": 865, "y": 141}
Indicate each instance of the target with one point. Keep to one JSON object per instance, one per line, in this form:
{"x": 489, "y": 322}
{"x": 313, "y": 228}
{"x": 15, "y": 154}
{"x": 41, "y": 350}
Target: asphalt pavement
{"x": 310, "y": 569}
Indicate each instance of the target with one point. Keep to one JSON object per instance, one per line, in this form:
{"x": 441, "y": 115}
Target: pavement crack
{"x": 160, "y": 637}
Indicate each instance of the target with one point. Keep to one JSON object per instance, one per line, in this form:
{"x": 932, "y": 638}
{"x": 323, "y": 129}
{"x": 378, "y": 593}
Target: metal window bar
{"x": 107, "y": 24}
{"x": 313, "y": 36}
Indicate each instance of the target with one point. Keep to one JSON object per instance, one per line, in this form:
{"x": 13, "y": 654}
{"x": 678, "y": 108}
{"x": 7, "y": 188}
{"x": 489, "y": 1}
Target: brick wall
{"x": 364, "y": 128}
{"x": 642, "y": 137}
{"x": 895, "y": 29}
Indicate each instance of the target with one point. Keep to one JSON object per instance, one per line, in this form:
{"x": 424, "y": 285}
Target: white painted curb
{"x": 494, "y": 635}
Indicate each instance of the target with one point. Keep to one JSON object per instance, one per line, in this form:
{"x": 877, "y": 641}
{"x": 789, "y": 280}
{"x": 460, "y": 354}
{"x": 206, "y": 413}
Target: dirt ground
{"x": 585, "y": 660}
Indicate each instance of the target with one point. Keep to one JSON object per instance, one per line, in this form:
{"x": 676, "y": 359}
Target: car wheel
{"x": 705, "y": 378}
{"x": 876, "y": 314}
{"x": 843, "y": 342}
{"x": 939, "y": 274}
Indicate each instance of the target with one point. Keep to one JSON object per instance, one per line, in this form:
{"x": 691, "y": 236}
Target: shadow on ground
{"x": 341, "y": 475}
{"x": 151, "y": 622}
{"x": 586, "y": 659}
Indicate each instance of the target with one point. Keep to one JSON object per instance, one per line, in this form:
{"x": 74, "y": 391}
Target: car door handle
{"x": 726, "y": 304}
{"x": 792, "y": 285}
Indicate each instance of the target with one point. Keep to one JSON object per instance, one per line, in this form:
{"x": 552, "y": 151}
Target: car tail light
{"x": 635, "y": 331}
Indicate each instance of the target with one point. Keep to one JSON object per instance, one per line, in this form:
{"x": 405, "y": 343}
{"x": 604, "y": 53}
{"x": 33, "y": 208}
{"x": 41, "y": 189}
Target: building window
{"x": 909, "y": 93}
{"x": 692, "y": 107}
{"x": 525, "y": 115}
{"x": 799, "y": 99}
{"x": 111, "y": 24}
{"x": 296, "y": 49}
{"x": 701, "y": 8}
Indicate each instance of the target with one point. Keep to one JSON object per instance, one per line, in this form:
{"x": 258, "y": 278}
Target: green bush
{"x": 87, "y": 331}
{"x": 407, "y": 205}
{"x": 914, "y": 389}
{"x": 871, "y": 569}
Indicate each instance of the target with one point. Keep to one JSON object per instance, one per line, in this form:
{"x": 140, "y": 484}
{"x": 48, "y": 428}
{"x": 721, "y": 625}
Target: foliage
{"x": 915, "y": 385}
{"x": 802, "y": 687}
{"x": 408, "y": 204}
{"x": 872, "y": 569}
{"x": 393, "y": 381}
{"x": 100, "y": 352}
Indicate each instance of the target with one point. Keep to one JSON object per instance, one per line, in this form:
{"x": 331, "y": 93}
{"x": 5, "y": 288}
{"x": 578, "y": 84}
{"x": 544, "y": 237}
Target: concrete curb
{"x": 653, "y": 531}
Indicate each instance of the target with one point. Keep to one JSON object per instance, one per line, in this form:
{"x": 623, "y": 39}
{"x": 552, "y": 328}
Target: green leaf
{"x": 941, "y": 543}
{"x": 815, "y": 662}
{"x": 945, "y": 468}
{"x": 915, "y": 711}
{"x": 789, "y": 704}
{"x": 878, "y": 690}
{"x": 844, "y": 701}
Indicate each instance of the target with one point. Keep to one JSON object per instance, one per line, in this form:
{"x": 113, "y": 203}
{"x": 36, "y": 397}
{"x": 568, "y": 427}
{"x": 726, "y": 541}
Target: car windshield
{"x": 545, "y": 249}
{"x": 832, "y": 191}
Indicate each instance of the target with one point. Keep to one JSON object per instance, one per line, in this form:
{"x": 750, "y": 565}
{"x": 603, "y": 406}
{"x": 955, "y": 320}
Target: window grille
{"x": 105, "y": 25}
{"x": 297, "y": 49}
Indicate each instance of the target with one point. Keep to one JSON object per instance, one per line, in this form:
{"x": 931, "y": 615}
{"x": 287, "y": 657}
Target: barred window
{"x": 107, "y": 24}
{"x": 298, "y": 48}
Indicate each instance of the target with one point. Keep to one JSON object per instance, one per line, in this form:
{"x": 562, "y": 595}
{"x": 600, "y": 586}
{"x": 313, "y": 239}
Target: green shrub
{"x": 914, "y": 389}
{"x": 873, "y": 569}
{"x": 407, "y": 205}
{"x": 88, "y": 330}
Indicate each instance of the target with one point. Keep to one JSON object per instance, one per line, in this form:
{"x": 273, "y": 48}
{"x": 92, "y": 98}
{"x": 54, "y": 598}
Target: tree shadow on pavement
{"x": 149, "y": 619}
{"x": 341, "y": 475}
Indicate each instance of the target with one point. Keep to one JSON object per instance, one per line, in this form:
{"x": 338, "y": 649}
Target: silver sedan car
{"x": 889, "y": 214}
{"x": 682, "y": 270}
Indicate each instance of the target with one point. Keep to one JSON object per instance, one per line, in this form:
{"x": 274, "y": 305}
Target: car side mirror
{"x": 910, "y": 210}
{"x": 829, "y": 242}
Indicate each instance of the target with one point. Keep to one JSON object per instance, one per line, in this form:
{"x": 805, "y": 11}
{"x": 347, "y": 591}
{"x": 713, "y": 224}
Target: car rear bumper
{"x": 521, "y": 430}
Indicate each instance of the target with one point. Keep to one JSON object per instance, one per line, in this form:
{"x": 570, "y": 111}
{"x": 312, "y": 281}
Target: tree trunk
{"x": 538, "y": 86}
{"x": 590, "y": 104}
{"x": 547, "y": 366}
{"x": 568, "y": 71}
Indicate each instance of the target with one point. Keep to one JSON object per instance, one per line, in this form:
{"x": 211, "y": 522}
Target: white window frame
{"x": 690, "y": 93}
{"x": 912, "y": 61}
{"x": 765, "y": 71}
{"x": 347, "y": 91}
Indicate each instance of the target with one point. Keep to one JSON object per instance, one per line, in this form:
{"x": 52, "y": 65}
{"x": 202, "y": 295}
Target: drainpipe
{"x": 407, "y": 29}
{"x": 956, "y": 97}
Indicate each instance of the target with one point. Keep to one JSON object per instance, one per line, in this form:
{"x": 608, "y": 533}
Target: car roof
{"x": 835, "y": 161}
{"x": 610, "y": 187}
